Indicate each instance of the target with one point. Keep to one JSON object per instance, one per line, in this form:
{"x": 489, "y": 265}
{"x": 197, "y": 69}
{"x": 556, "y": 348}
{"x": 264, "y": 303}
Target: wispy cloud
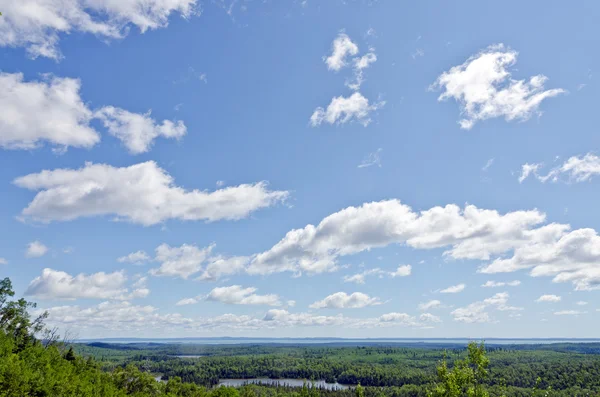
{"x": 373, "y": 158}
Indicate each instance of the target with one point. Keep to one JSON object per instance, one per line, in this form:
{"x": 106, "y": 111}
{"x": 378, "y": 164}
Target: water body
{"x": 189, "y": 355}
{"x": 282, "y": 382}
{"x": 341, "y": 341}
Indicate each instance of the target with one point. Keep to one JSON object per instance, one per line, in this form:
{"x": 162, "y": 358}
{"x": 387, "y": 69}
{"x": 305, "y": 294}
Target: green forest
{"x": 35, "y": 362}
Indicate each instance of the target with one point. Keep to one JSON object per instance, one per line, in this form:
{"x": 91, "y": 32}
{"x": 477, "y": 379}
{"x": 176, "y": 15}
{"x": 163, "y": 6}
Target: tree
{"x": 466, "y": 377}
{"x": 14, "y": 316}
{"x": 70, "y": 356}
{"x": 359, "y": 391}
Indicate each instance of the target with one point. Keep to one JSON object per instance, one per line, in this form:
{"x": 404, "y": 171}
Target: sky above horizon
{"x": 301, "y": 168}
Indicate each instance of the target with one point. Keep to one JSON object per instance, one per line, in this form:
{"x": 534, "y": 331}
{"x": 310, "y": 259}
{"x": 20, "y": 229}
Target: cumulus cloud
{"x": 219, "y": 266}
{"x": 136, "y": 258}
{"x": 359, "y": 278}
{"x": 569, "y": 313}
{"x": 342, "y": 300}
{"x": 35, "y": 249}
{"x": 484, "y": 88}
{"x": 237, "y": 295}
{"x": 506, "y": 242}
{"x": 471, "y": 233}
{"x": 549, "y": 298}
{"x": 126, "y": 317}
{"x": 182, "y": 261}
{"x": 48, "y": 111}
{"x": 142, "y": 193}
{"x": 115, "y": 316}
{"x": 345, "y": 109}
{"x": 38, "y": 25}
{"x": 341, "y": 48}
{"x": 432, "y": 304}
{"x": 52, "y": 111}
{"x": 429, "y": 318}
{"x": 576, "y": 169}
{"x": 54, "y": 284}
{"x": 188, "y": 301}
{"x": 454, "y": 289}
{"x": 138, "y": 131}
{"x": 355, "y": 107}
{"x": 398, "y": 317}
{"x": 476, "y": 311}
{"x": 555, "y": 251}
{"x": 494, "y": 284}
{"x": 402, "y": 271}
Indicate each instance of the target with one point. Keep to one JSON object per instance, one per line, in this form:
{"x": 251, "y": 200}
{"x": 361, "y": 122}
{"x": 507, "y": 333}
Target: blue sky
{"x": 269, "y": 117}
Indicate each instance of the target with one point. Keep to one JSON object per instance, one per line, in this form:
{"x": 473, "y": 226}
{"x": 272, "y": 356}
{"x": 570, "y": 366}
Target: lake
{"x": 282, "y": 382}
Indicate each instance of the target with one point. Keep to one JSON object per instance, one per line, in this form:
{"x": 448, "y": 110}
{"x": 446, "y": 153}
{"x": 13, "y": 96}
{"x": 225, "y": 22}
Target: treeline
{"x": 380, "y": 367}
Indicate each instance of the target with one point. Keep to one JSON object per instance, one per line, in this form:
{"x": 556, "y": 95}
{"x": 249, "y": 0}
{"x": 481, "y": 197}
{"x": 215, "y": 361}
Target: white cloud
{"x": 138, "y": 131}
{"x": 3, "y": 261}
{"x": 454, "y": 289}
{"x": 487, "y": 165}
{"x": 36, "y": 249}
{"x": 372, "y": 159}
{"x": 471, "y": 233}
{"x": 142, "y": 193}
{"x": 581, "y": 303}
{"x": 114, "y": 316}
{"x": 484, "y": 88}
{"x": 38, "y": 24}
{"x": 398, "y": 318}
{"x": 341, "y": 48}
{"x": 432, "y": 304}
{"x": 127, "y": 318}
{"x": 341, "y": 300}
{"x": 42, "y": 111}
{"x": 182, "y": 261}
{"x": 402, "y": 271}
{"x": 360, "y": 64}
{"x": 237, "y": 295}
{"x": 554, "y": 251}
{"x": 575, "y": 169}
{"x": 283, "y": 318}
{"x": 476, "y": 311}
{"x": 219, "y": 266}
{"x": 137, "y": 258}
{"x": 494, "y": 284}
{"x": 187, "y": 301}
{"x": 569, "y": 313}
{"x": 549, "y": 298}
{"x": 507, "y": 242}
{"x": 359, "y": 278}
{"x": 429, "y": 318}
{"x": 51, "y": 111}
{"x": 342, "y": 110}
{"x": 54, "y": 284}
{"x": 528, "y": 169}
{"x": 418, "y": 53}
